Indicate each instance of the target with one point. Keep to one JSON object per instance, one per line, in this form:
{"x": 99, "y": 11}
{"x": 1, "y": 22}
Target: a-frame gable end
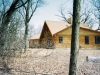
{"x": 42, "y": 31}
{"x": 45, "y": 31}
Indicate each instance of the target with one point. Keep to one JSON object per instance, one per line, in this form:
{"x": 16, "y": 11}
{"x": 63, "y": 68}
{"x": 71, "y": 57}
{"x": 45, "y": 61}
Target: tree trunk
{"x": 26, "y": 36}
{"x": 75, "y": 38}
{"x": 93, "y": 59}
{"x": 3, "y": 28}
{"x": 99, "y": 23}
{"x": 7, "y": 16}
{"x": 26, "y": 24}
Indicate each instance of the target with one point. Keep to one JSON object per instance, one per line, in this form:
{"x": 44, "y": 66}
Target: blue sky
{"x": 49, "y": 11}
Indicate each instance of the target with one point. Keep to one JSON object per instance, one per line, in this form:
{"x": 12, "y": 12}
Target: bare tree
{"x": 28, "y": 10}
{"x": 33, "y": 31}
{"x": 13, "y": 33}
{"x": 96, "y": 5}
{"x": 75, "y": 37}
{"x": 85, "y": 14}
{"x": 62, "y": 14}
{"x": 6, "y": 16}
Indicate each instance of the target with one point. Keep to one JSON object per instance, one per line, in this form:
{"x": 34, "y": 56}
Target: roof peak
{"x": 55, "y": 21}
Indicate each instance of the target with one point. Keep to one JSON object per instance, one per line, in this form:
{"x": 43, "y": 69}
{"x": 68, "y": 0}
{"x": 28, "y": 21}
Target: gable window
{"x": 86, "y": 39}
{"x": 97, "y": 39}
{"x": 60, "y": 39}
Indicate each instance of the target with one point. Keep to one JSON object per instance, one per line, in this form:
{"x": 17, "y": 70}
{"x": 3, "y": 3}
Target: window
{"x": 97, "y": 39}
{"x": 60, "y": 39}
{"x": 40, "y": 41}
{"x": 32, "y": 41}
{"x": 48, "y": 42}
{"x": 86, "y": 39}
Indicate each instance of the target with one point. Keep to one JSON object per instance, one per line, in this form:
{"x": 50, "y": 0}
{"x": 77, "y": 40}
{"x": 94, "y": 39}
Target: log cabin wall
{"x": 34, "y": 43}
{"x": 46, "y": 37}
{"x": 62, "y": 39}
{"x": 65, "y": 43}
{"x": 87, "y": 38}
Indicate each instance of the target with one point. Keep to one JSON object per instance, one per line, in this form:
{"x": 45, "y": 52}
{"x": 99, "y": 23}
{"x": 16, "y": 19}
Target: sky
{"x": 49, "y": 12}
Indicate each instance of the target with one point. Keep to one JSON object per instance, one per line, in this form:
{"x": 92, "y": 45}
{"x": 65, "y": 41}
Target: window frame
{"x": 48, "y": 42}
{"x": 40, "y": 41}
{"x": 97, "y": 39}
{"x": 86, "y": 39}
{"x": 33, "y": 42}
{"x": 60, "y": 39}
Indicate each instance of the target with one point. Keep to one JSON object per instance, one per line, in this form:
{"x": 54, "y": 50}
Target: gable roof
{"x": 84, "y": 26}
{"x": 56, "y": 26}
{"x": 91, "y": 30}
{"x": 35, "y": 37}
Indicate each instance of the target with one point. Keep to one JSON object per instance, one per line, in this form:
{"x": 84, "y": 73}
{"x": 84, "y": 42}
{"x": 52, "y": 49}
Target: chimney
{"x": 69, "y": 20}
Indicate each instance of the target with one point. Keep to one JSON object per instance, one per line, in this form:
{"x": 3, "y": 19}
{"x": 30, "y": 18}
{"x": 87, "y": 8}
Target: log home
{"x": 57, "y": 34}
{"x": 34, "y": 41}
